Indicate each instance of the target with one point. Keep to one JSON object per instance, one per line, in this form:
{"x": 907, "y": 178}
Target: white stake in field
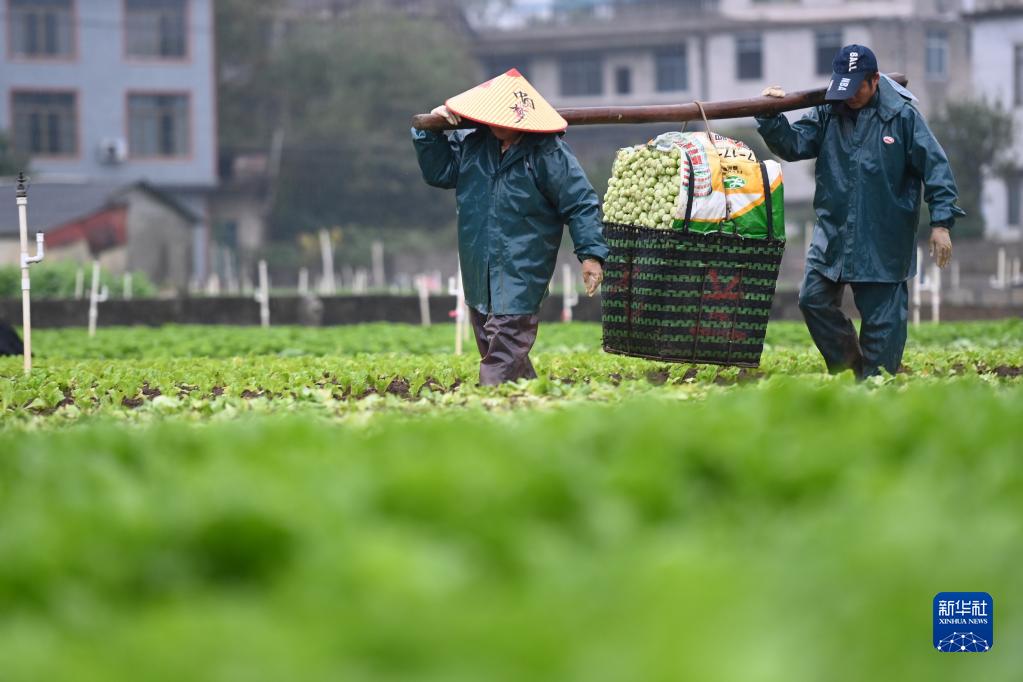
{"x": 79, "y": 283}
{"x": 422, "y": 287}
{"x": 570, "y": 297}
{"x": 379, "y": 279}
{"x": 262, "y": 296}
{"x": 1001, "y": 277}
{"x": 459, "y": 313}
{"x": 328, "y": 286}
{"x": 97, "y": 295}
{"x": 26, "y": 262}
{"x": 929, "y": 283}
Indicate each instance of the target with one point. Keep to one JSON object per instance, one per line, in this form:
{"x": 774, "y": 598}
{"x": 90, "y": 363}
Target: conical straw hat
{"x": 508, "y": 101}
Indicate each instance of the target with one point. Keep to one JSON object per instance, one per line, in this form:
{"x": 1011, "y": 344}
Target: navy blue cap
{"x": 850, "y": 66}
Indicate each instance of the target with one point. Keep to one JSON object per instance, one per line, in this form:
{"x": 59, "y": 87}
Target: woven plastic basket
{"x": 684, "y": 296}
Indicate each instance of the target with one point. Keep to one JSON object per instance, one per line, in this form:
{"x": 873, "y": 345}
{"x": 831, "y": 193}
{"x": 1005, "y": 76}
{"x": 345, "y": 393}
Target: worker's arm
{"x": 564, "y": 183}
{"x": 439, "y": 155}
{"x": 793, "y": 141}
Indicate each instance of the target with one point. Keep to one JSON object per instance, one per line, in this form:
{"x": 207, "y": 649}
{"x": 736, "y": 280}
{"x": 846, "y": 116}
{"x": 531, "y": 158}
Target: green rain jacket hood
{"x": 511, "y": 212}
{"x": 869, "y": 175}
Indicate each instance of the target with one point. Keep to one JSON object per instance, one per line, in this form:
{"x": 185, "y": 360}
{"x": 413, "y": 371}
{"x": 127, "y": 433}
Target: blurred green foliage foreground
{"x": 774, "y": 527}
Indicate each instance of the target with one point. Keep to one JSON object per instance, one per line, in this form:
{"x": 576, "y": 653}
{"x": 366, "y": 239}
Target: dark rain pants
{"x": 504, "y": 342}
{"x": 884, "y": 309}
{"x": 10, "y": 342}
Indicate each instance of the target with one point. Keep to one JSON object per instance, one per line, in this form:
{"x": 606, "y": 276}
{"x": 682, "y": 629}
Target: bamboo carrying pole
{"x": 668, "y": 113}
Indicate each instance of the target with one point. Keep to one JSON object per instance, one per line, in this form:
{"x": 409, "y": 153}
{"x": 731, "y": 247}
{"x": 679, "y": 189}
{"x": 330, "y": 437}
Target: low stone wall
{"x": 338, "y": 310}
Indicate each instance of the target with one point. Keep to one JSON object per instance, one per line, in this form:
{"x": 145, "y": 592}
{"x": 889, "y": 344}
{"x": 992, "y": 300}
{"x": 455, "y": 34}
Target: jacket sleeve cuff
{"x": 946, "y": 217}
{"x": 768, "y": 121}
{"x": 599, "y": 255}
{"x": 425, "y": 135}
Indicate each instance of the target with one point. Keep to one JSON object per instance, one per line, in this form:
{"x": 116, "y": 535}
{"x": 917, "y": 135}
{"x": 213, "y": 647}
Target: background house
{"x": 127, "y": 228}
{"x": 997, "y": 61}
{"x": 113, "y": 92}
{"x": 615, "y": 52}
{"x": 313, "y": 99}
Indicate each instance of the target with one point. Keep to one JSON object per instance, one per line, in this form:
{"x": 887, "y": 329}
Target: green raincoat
{"x": 869, "y": 177}
{"x": 512, "y": 212}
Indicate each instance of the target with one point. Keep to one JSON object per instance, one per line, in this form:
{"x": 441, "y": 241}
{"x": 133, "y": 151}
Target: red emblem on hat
{"x": 888, "y": 139}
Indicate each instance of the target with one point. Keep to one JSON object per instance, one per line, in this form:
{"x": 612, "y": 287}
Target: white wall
{"x": 993, "y": 42}
{"x": 102, "y": 76}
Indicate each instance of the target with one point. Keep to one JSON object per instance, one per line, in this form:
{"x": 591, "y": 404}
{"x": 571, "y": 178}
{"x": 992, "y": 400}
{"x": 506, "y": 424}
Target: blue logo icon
{"x": 963, "y": 622}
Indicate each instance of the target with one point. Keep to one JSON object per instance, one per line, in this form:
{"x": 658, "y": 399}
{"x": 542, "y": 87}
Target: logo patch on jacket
{"x": 888, "y": 139}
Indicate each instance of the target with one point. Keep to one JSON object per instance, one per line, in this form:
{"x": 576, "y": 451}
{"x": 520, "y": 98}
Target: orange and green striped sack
{"x": 729, "y": 187}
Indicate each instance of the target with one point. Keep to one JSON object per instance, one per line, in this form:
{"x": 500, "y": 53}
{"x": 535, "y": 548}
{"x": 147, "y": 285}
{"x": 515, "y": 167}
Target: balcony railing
{"x": 525, "y": 13}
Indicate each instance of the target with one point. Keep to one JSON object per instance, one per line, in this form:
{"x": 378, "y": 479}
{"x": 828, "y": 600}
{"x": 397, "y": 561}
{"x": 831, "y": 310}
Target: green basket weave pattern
{"x": 688, "y": 297}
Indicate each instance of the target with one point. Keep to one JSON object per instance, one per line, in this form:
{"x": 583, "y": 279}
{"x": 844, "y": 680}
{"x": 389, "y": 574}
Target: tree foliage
{"x": 341, "y": 91}
{"x": 350, "y": 90}
{"x": 11, "y": 162}
{"x": 247, "y": 101}
{"x": 977, "y": 137}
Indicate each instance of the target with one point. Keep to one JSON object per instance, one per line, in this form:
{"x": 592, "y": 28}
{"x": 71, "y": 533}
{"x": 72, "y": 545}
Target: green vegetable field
{"x": 213, "y": 503}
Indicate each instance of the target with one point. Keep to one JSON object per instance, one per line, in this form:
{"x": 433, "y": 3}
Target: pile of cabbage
{"x": 644, "y": 186}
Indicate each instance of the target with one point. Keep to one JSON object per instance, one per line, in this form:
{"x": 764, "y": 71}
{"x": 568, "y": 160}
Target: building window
{"x": 623, "y": 80}
{"x": 497, "y": 65}
{"x": 937, "y": 55}
{"x": 46, "y": 123}
{"x": 581, "y": 75}
{"x": 749, "y": 59}
{"x": 41, "y": 28}
{"x": 155, "y": 28}
{"x": 1017, "y": 76}
{"x": 158, "y": 125}
{"x": 672, "y": 69}
{"x": 827, "y": 43}
{"x": 1013, "y": 187}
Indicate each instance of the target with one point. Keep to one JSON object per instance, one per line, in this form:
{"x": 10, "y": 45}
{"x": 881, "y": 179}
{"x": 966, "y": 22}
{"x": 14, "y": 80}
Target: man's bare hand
{"x": 941, "y": 245}
{"x": 593, "y": 275}
{"x": 773, "y": 91}
{"x": 448, "y": 115}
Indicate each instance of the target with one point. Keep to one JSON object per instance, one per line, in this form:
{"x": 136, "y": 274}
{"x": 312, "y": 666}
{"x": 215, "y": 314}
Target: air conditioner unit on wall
{"x": 113, "y": 150}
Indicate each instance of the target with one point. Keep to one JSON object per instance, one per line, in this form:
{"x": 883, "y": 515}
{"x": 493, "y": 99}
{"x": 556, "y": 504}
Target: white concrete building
{"x": 997, "y": 38}
{"x": 621, "y": 52}
{"x": 114, "y": 92}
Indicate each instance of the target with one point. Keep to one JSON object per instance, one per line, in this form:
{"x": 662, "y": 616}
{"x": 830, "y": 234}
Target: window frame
{"x": 819, "y": 45}
{"x": 70, "y": 56}
{"x": 76, "y": 122}
{"x": 579, "y": 58}
{"x": 931, "y": 38}
{"x": 1014, "y": 198}
{"x": 186, "y": 55}
{"x": 626, "y": 71}
{"x": 511, "y": 61}
{"x": 682, "y": 51}
{"x": 749, "y": 38}
{"x": 1017, "y": 75}
{"x": 189, "y": 154}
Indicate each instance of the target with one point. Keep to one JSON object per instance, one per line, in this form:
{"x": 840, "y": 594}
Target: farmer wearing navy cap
{"x": 874, "y": 154}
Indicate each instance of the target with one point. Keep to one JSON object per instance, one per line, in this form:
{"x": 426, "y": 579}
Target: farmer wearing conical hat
{"x": 517, "y": 184}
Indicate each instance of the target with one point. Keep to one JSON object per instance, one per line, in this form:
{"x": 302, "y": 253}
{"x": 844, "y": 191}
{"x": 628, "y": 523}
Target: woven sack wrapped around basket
{"x": 682, "y": 295}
